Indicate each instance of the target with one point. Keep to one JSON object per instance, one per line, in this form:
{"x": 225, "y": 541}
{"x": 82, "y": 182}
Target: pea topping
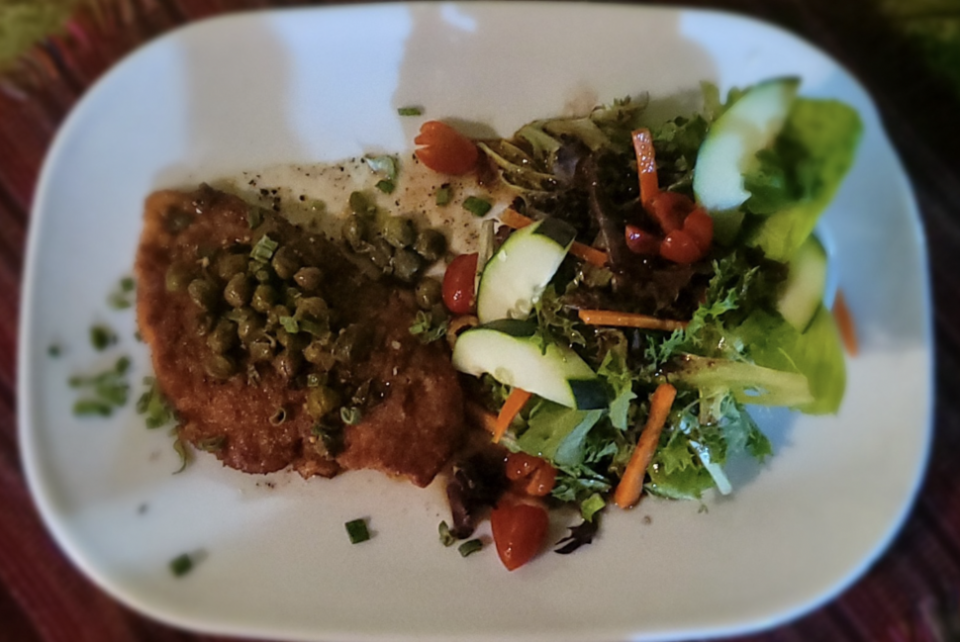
{"x": 407, "y": 265}
{"x": 264, "y": 298}
{"x": 321, "y": 401}
{"x": 312, "y": 307}
{"x": 398, "y": 231}
{"x": 219, "y": 366}
{"x": 261, "y": 349}
{"x": 203, "y": 293}
{"x": 308, "y": 278}
{"x": 238, "y": 290}
{"x": 318, "y": 354}
{"x": 223, "y": 337}
{"x": 287, "y": 363}
{"x": 229, "y": 265}
{"x": 249, "y": 327}
{"x": 355, "y": 232}
{"x": 429, "y": 292}
{"x": 431, "y": 245}
{"x": 178, "y": 277}
{"x": 381, "y": 254}
{"x": 285, "y": 263}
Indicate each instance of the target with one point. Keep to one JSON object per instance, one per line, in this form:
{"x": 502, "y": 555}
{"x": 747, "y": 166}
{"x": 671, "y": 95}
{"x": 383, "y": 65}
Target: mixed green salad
{"x": 659, "y": 279}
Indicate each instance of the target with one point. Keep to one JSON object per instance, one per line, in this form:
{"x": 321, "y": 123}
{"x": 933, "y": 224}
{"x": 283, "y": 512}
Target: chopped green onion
{"x": 410, "y": 111}
{"x": 102, "y": 337}
{"x": 476, "y": 206}
{"x": 444, "y": 194}
{"x": 446, "y": 537}
{"x": 181, "y": 449}
{"x": 313, "y": 380}
{"x": 154, "y": 406}
{"x": 357, "y": 531}
{"x": 386, "y": 186}
{"x": 127, "y": 284}
{"x": 470, "y": 547}
{"x": 184, "y": 563}
{"x": 119, "y": 299}
{"x": 278, "y": 417}
{"x": 254, "y": 217}
{"x": 311, "y": 327}
{"x": 389, "y": 166}
{"x": 212, "y": 444}
{"x": 350, "y": 415}
{"x": 290, "y": 324}
{"x": 53, "y": 350}
{"x": 264, "y": 249}
{"x": 92, "y": 407}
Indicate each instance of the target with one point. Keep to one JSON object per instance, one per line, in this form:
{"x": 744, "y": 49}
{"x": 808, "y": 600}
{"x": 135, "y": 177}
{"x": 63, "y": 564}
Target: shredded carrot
{"x": 481, "y": 417}
{"x": 845, "y": 324}
{"x": 646, "y": 165}
{"x": 584, "y": 252}
{"x": 631, "y": 484}
{"x": 511, "y": 407}
{"x": 630, "y": 320}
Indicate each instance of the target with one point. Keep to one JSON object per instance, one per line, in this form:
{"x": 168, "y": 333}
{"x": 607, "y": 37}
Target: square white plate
{"x": 249, "y": 91}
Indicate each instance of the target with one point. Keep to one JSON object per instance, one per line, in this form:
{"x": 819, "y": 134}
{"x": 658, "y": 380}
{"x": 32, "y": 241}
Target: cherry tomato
{"x": 445, "y": 150}
{"x": 535, "y": 475}
{"x": 699, "y": 225}
{"x": 640, "y": 241}
{"x": 518, "y": 531}
{"x": 670, "y": 208}
{"x": 680, "y": 247}
{"x": 459, "y": 290}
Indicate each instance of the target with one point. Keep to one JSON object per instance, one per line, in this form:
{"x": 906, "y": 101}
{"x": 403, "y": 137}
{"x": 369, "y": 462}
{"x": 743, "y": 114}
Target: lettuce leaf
{"x": 796, "y": 180}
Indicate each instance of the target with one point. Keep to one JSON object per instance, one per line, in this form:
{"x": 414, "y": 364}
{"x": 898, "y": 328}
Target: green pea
{"x": 407, "y": 265}
{"x": 261, "y": 273}
{"x": 238, "y": 290}
{"x": 381, "y": 254}
{"x": 360, "y": 204}
{"x": 219, "y": 366}
{"x": 308, "y": 278}
{"x": 312, "y": 307}
{"x": 431, "y": 245}
{"x": 261, "y": 349}
{"x": 355, "y": 232}
{"x": 352, "y": 343}
{"x": 285, "y": 263}
{"x": 223, "y": 337}
{"x": 178, "y": 277}
{"x": 203, "y": 293}
{"x": 250, "y": 327}
{"x": 264, "y": 298}
{"x": 429, "y": 292}
{"x": 398, "y": 231}
{"x": 322, "y": 400}
{"x": 204, "y": 325}
{"x": 229, "y": 265}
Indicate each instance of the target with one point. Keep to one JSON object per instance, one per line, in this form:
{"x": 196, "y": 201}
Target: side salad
{"x": 646, "y": 285}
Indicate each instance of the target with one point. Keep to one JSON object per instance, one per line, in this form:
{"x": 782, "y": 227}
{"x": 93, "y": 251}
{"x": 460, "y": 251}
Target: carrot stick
{"x": 631, "y": 484}
{"x": 646, "y": 165}
{"x": 516, "y": 220}
{"x": 630, "y": 320}
{"x": 845, "y": 324}
{"x": 513, "y": 405}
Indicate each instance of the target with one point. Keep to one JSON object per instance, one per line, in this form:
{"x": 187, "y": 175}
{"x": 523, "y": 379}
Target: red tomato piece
{"x": 699, "y": 225}
{"x": 640, "y": 241}
{"x": 680, "y": 247}
{"x": 535, "y": 475}
{"x": 670, "y": 208}
{"x": 444, "y": 149}
{"x": 459, "y": 287}
{"x": 519, "y": 531}
{"x": 541, "y": 481}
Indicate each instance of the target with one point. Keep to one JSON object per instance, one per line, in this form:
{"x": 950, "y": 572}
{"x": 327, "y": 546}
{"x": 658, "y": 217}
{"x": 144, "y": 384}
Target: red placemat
{"x": 909, "y": 594}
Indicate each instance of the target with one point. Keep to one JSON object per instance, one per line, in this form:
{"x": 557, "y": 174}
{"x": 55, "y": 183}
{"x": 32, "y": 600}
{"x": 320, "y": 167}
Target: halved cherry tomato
{"x": 445, "y": 150}
{"x": 640, "y": 241}
{"x": 459, "y": 289}
{"x": 680, "y": 247}
{"x": 519, "y": 531}
{"x": 699, "y": 225}
{"x": 535, "y": 475}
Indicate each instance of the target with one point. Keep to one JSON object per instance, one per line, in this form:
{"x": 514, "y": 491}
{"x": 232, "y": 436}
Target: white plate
{"x": 247, "y": 91}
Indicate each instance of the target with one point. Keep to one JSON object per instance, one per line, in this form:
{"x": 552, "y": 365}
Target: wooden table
{"x": 42, "y": 597}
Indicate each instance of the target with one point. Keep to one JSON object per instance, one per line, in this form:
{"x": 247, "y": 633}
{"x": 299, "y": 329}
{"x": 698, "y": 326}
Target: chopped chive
{"x": 357, "y": 531}
{"x": 254, "y": 217}
{"x": 386, "y": 186}
{"x": 446, "y": 537}
{"x": 92, "y": 407}
{"x": 389, "y": 166}
{"x": 53, "y": 350}
{"x": 290, "y": 324}
{"x": 264, "y": 249}
{"x": 101, "y": 337}
{"x": 212, "y": 444}
{"x": 470, "y": 547}
{"x": 476, "y": 206}
{"x": 127, "y": 284}
{"x": 311, "y": 327}
{"x": 279, "y": 416}
{"x": 180, "y": 447}
{"x": 313, "y": 381}
{"x": 410, "y": 111}
{"x": 350, "y": 415}
{"x": 444, "y": 194}
{"x": 184, "y": 563}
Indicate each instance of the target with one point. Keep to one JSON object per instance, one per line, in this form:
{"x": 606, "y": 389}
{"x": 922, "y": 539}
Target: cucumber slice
{"x": 508, "y": 351}
{"x": 806, "y": 283}
{"x": 516, "y": 275}
{"x": 749, "y": 125}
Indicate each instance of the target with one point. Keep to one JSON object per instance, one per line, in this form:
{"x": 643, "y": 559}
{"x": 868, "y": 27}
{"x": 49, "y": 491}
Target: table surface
{"x": 911, "y": 593}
